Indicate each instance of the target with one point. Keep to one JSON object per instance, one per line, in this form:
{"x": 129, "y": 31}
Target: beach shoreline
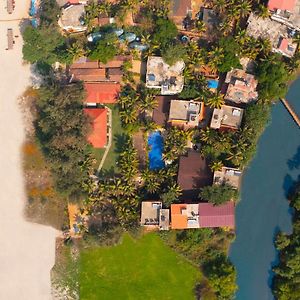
{"x": 27, "y": 252}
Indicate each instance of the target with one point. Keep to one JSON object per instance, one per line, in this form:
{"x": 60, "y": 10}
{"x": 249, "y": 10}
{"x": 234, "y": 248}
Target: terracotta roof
{"x": 193, "y": 174}
{"x": 179, "y": 221}
{"x": 102, "y": 92}
{"x": 115, "y": 74}
{"x": 98, "y": 137}
{"x": 216, "y": 216}
{"x": 282, "y": 4}
{"x": 88, "y": 74}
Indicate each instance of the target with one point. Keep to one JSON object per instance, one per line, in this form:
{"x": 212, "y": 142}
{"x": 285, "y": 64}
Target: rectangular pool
{"x": 156, "y": 144}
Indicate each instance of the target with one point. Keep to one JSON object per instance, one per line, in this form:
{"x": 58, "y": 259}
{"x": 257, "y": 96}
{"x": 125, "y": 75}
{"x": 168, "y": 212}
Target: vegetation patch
{"x": 136, "y": 269}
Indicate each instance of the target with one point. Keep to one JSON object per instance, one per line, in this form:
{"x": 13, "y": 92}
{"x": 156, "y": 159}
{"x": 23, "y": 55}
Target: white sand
{"x": 27, "y": 251}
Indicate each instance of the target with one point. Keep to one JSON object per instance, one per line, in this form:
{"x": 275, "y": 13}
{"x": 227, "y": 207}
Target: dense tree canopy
{"x": 105, "y": 49}
{"x": 62, "y": 128}
{"x": 287, "y": 273}
{"x": 272, "y": 77}
{"x": 165, "y": 31}
{"x": 219, "y": 194}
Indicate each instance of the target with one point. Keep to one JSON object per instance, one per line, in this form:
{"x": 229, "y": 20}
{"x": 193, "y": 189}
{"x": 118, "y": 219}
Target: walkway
{"x": 109, "y": 141}
{"x": 291, "y": 111}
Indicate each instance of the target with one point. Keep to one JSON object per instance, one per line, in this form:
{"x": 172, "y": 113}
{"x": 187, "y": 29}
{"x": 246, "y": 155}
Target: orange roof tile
{"x": 98, "y": 136}
{"x": 178, "y": 221}
{"x": 102, "y": 92}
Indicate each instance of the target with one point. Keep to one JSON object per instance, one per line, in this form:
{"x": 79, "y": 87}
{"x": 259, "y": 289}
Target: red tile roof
{"x": 117, "y": 62}
{"x": 102, "y": 92}
{"x": 179, "y": 8}
{"x": 216, "y": 216}
{"x": 98, "y": 136}
{"x": 282, "y": 4}
{"x": 92, "y": 75}
{"x": 84, "y": 63}
{"x": 284, "y": 44}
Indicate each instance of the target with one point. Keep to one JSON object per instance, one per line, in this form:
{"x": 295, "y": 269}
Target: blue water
{"x": 263, "y": 209}
{"x": 156, "y": 144}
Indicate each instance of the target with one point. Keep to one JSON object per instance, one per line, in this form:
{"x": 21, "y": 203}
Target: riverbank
{"x": 263, "y": 209}
{"x": 27, "y": 251}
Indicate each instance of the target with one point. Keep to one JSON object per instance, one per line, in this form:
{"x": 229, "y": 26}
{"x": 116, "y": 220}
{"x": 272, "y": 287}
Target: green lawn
{"x": 136, "y": 269}
{"x": 109, "y": 167}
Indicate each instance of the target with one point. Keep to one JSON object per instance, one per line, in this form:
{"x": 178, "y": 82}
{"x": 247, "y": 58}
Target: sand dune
{"x": 27, "y": 251}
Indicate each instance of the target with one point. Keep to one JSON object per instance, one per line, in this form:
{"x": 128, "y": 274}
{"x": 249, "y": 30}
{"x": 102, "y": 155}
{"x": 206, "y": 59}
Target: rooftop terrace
{"x": 169, "y": 79}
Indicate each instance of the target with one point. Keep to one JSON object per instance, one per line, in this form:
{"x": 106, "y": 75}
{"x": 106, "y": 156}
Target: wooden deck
{"x": 291, "y": 111}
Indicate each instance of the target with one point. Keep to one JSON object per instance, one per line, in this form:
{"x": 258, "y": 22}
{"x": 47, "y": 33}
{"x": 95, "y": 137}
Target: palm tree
{"x": 128, "y": 115}
{"x": 219, "y": 5}
{"x": 216, "y": 57}
{"x": 200, "y": 26}
{"x": 263, "y": 11}
{"x": 76, "y": 50}
{"x": 216, "y": 101}
{"x": 149, "y": 102}
{"x": 244, "y": 8}
{"x": 216, "y": 166}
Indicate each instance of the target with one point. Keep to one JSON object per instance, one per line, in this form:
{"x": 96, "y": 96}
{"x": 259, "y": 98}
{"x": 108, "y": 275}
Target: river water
{"x": 263, "y": 209}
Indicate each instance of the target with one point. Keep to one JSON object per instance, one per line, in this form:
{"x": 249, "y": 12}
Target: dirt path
{"x": 27, "y": 251}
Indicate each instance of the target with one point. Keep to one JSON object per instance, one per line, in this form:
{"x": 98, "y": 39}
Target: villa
{"x": 285, "y": 12}
{"x": 193, "y": 174}
{"x": 160, "y": 113}
{"x": 227, "y": 118}
{"x": 98, "y": 117}
{"x": 72, "y": 18}
{"x": 202, "y": 215}
{"x": 279, "y": 34}
{"x": 94, "y": 71}
{"x": 241, "y": 87}
{"x": 169, "y": 79}
{"x": 101, "y": 93}
{"x": 213, "y": 216}
{"x": 153, "y": 216}
{"x": 184, "y": 216}
{"x": 230, "y": 176}
{"x": 185, "y": 114}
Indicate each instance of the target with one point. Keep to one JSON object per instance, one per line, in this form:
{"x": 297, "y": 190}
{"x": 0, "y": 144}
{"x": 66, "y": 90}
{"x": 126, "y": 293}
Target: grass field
{"x": 136, "y": 269}
{"x": 109, "y": 167}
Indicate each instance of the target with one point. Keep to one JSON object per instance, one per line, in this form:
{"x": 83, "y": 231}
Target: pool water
{"x": 156, "y": 144}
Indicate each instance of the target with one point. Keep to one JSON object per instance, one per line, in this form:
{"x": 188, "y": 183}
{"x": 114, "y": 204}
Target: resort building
{"x": 72, "y": 18}
{"x": 212, "y": 216}
{"x": 185, "y": 114}
{"x": 279, "y": 34}
{"x": 241, "y": 87}
{"x": 153, "y": 216}
{"x": 230, "y": 176}
{"x": 94, "y": 71}
{"x": 285, "y": 12}
{"x": 193, "y": 174}
{"x": 184, "y": 216}
{"x": 101, "y": 93}
{"x": 227, "y": 117}
{"x": 169, "y": 79}
{"x": 98, "y": 118}
{"x": 202, "y": 215}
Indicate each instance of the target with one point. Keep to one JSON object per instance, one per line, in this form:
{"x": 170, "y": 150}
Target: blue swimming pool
{"x": 156, "y": 144}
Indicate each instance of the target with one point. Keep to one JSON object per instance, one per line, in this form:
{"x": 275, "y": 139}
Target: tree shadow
{"x": 288, "y": 184}
{"x": 121, "y": 140}
{"x": 294, "y": 162}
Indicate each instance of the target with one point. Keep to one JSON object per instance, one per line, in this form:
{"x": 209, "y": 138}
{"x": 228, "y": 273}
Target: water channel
{"x": 263, "y": 209}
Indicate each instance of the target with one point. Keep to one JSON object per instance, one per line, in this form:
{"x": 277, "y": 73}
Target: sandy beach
{"x": 27, "y": 251}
